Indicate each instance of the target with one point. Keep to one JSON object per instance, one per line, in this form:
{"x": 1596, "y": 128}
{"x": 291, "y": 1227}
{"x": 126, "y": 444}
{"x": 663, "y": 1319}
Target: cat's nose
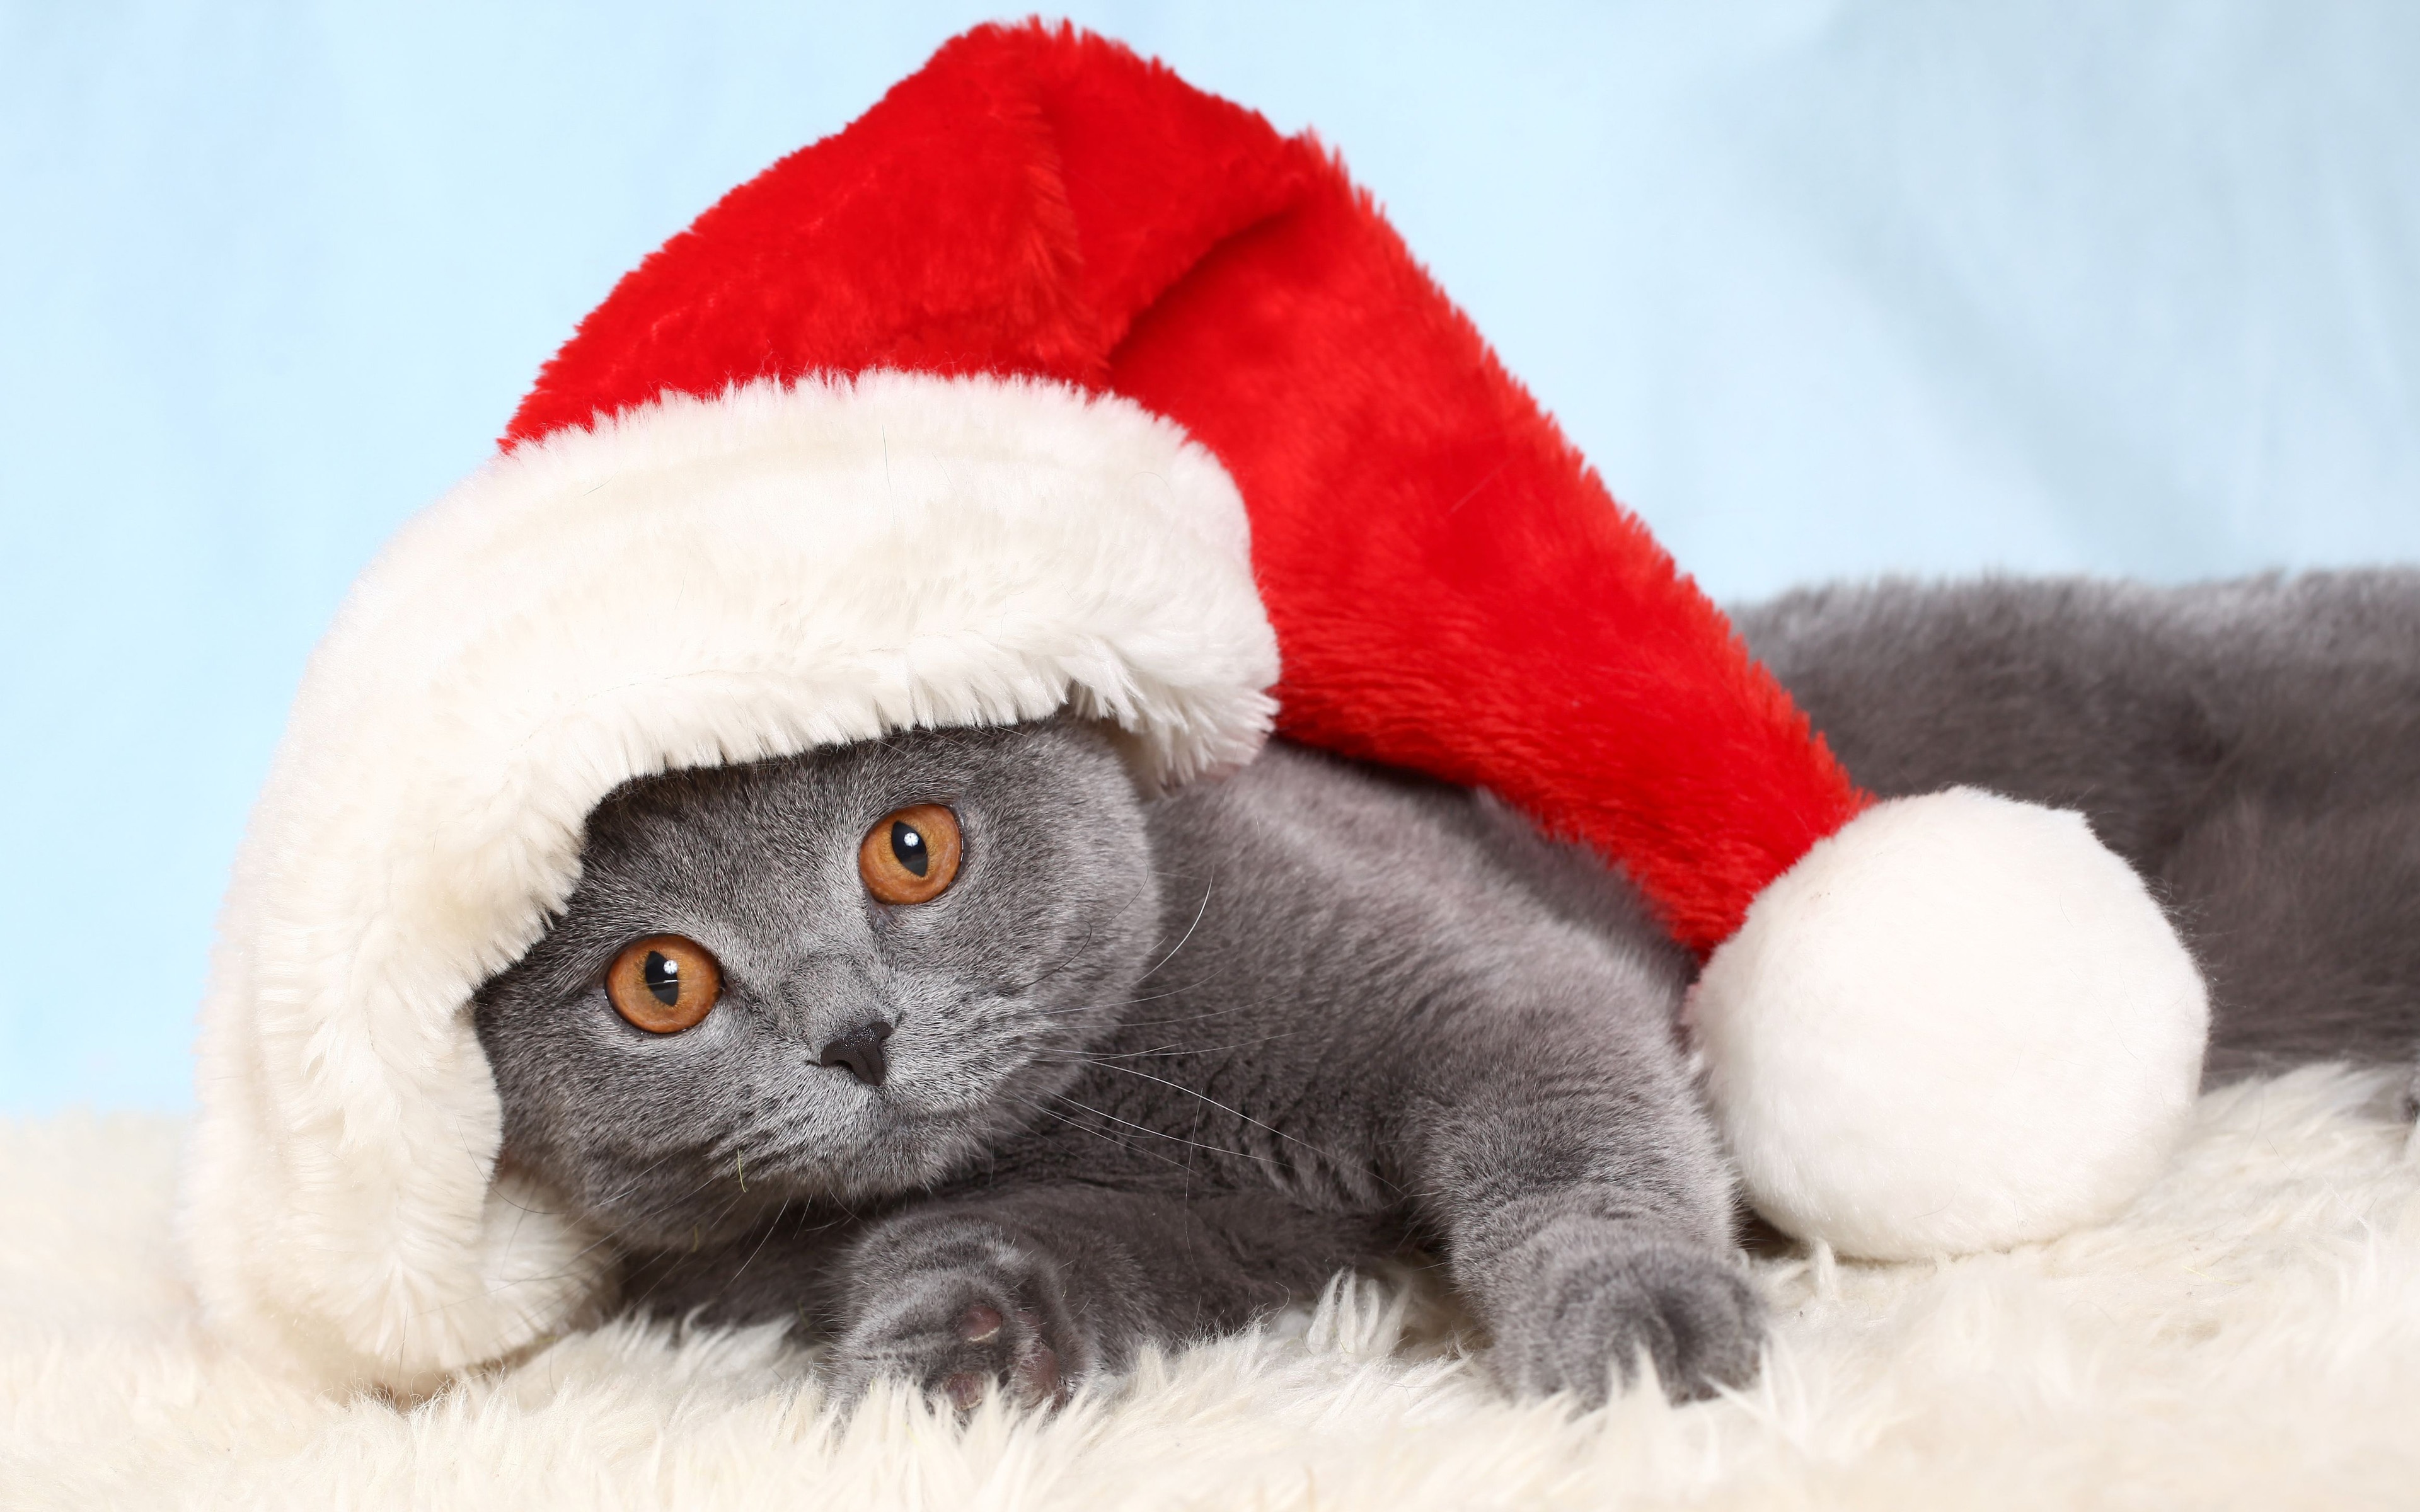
{"x": 860, "y": 1051}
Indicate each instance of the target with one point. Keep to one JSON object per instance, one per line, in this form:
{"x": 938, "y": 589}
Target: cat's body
{"x": 1154, "y": 1067}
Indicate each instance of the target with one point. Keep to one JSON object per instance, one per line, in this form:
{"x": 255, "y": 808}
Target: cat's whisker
{"x": 1087, "y": 1010}
{"x": 1173, "y": 1138}
{"x": 666, "y": 1262}
{"x": 1199, "y": 913}
{"x": 1109, "y": 1138}
{"x": 1082, "y": 955}
{"x": 646, "y": 1210}
{"x": 613, "y": 1198}
{"x": 1094, "y": 1057}
{"x": 775, "y": 1223}
{"x": 1330, "y": 1156}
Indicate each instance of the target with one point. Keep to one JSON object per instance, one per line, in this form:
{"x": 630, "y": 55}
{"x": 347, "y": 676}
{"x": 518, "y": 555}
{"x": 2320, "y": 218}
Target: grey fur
{"x": 1160, "y": 1066}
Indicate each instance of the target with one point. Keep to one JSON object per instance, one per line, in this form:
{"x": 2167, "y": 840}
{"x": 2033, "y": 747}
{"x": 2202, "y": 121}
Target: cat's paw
{"x": 1588, "y": 1298}
{"x": 961, "y": 1332}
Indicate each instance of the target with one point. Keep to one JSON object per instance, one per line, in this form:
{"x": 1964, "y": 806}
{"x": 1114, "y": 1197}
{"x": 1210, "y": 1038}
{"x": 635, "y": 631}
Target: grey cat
{"x": 1142, "y": 1069}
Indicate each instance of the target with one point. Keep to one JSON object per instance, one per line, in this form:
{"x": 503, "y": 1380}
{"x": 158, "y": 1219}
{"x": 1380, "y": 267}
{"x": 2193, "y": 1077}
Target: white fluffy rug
{"x": 2249, "y": 1335}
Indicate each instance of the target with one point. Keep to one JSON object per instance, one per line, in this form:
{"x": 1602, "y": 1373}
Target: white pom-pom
{"x": 1958, "y": 1024}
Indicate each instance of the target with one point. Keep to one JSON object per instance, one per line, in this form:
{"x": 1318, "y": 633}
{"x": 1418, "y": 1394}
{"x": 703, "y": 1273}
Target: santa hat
{"x": 1054, "y": 382}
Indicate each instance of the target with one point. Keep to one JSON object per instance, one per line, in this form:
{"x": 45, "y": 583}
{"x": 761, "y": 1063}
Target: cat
{"x": 1150, "y": 1068}
{"x": 1004, "y": 1071}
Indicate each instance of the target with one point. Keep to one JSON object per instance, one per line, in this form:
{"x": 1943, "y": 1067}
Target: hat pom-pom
{"x": 1958, "y": 1023}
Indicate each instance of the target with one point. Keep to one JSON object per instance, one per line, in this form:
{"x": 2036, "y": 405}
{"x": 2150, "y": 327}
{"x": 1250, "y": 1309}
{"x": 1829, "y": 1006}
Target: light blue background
{"x": 1823, "y": 287}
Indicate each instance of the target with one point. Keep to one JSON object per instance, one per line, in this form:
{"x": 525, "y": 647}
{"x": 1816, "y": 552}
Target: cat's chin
{"x": 905, "y": 1149}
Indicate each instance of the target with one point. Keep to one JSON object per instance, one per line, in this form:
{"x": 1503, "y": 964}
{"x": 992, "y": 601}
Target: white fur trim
{"x": 691, "y": 583}
{"x": 1958, "y": 1025}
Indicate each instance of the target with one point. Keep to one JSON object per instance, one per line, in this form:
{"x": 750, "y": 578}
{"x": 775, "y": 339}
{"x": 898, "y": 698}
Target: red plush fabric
{"x": 1453, "y": 590}
{"x": 1006, "y": 209}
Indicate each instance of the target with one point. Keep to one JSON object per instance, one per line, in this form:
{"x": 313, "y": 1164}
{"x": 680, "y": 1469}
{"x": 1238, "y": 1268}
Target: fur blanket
{"x": 2249, "y": 1335}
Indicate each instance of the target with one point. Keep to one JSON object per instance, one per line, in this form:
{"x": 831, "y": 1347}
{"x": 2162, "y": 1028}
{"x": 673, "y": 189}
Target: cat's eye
{"x": 910, "y": 855}
{"x": 664, "y": 983}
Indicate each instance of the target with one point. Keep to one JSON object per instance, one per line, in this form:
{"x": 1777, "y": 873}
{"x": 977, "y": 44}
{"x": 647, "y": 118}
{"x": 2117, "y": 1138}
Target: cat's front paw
{"x": 960, "y": 1331}
{"x": 1583, "y": 1299}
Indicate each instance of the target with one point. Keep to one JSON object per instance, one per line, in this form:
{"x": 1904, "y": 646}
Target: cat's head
{"x": 858, "y": 1041}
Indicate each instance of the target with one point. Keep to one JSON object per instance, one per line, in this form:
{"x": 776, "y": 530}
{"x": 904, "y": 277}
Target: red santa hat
{"x": 1054, "y": 382}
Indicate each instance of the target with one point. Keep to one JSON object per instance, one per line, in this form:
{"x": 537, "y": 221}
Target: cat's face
{"x": 980, "y": 1000}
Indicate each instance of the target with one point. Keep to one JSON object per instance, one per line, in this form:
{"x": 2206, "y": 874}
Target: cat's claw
{"x": 1591, "y": 1304}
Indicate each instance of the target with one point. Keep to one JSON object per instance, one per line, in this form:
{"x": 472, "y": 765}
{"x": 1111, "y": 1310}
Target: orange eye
{"x": 664, "y": 983}
{"x": 910, "y": 855}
